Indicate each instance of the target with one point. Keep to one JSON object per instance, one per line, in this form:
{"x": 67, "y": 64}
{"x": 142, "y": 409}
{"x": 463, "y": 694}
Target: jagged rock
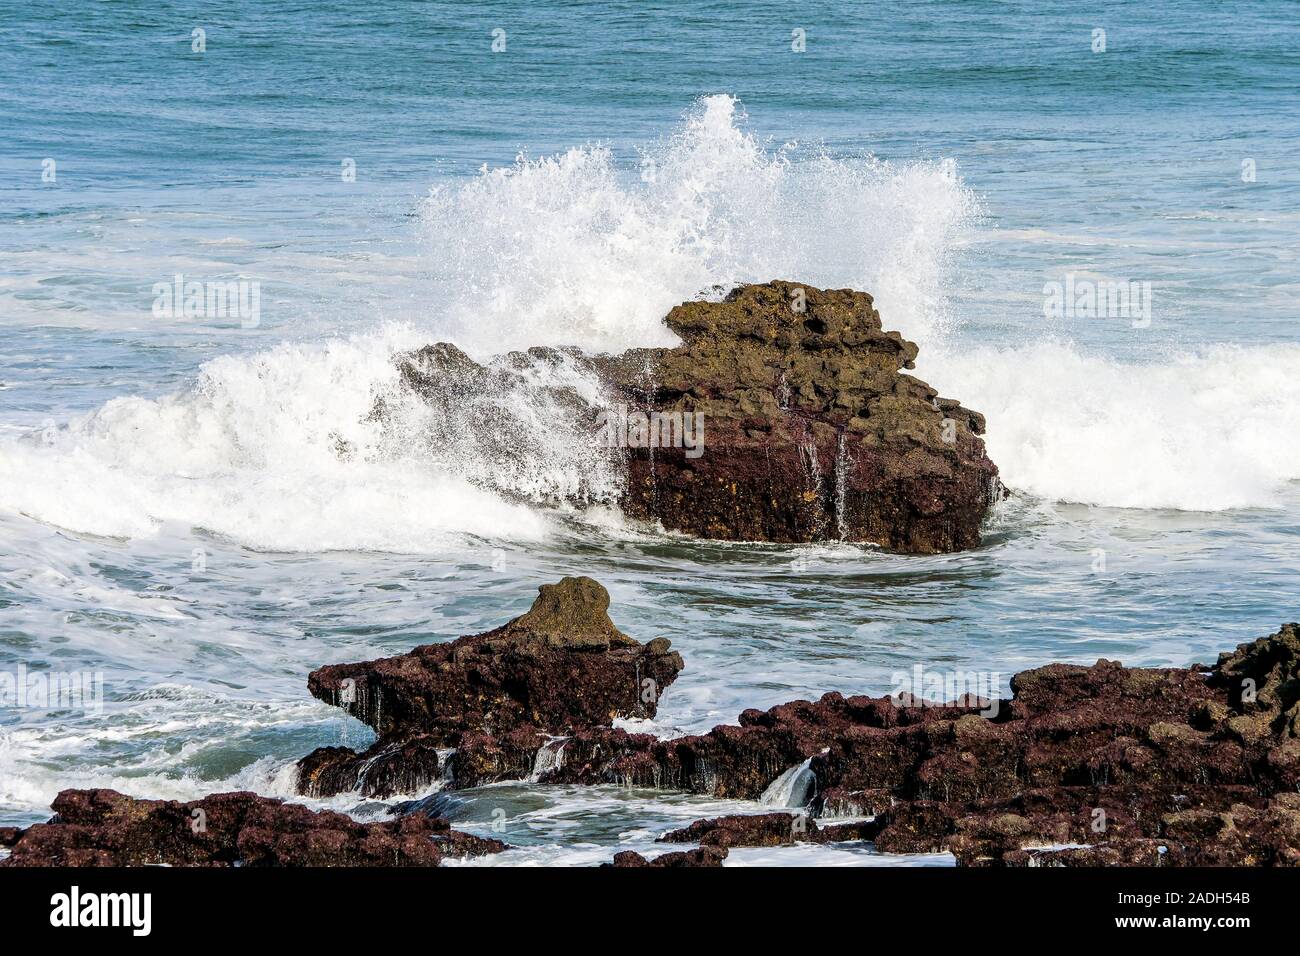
{"x": 560, "y": 667}
{"x": 759, "y": 829}
{"x": 1241, "y": 835}
{"x": 741, "y": 762}
{"x": 1263, "y": 682}
{"x": 107, "y": 828}
{"x": 703, "y": 856}
{"x": 1100, "y": 754}
{"x": 402, "y": 766}
{"x": 1144, "y": 853}
{"x": 812, "y": 432}
{"x": 810, "y": 429}
{"x": 767, "y": 829}
{"x": 1203, "y": 760}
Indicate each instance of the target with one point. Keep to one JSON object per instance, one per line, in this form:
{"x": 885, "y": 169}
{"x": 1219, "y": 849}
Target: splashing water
{"x": 794, "y": 788}
{"x": 565, "y": 250}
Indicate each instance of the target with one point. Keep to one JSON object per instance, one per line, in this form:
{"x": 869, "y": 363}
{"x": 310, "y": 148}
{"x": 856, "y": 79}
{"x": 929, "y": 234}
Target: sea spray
{"x": 573, "y": 249}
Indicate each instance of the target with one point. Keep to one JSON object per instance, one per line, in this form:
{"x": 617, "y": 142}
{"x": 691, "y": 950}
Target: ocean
{"x": 175, "y": 519}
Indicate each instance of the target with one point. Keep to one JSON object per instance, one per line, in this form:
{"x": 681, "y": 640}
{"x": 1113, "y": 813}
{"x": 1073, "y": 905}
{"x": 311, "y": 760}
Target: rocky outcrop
{"x": 495, "y": 697}
{"x": 784, "y": 415}
{"x": 768, "y": 829}
{"x": 1216, "y": 833}
{"x": 811, "y": 429}
{"x": 702, "y": 856}
{"x": 741, "y": 761}
{"x": 1102, "y": 758}
{"x": 106, "y": 828}
{"x": 1206, "y": 762}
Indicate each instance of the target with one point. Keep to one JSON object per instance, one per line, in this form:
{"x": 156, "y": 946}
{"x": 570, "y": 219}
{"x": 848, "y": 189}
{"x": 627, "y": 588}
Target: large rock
{"x": 561, "y": 667}
{"x": 811, "y": 429}
{"x": 107, "y": 828}
{"x": 802, "y": 425}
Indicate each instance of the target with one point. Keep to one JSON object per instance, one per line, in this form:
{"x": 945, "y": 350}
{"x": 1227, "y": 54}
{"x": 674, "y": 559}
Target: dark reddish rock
{"x": 107, "y": 828}
{"x": 759, "y": 829}
{"x": 842, "y": 802}
{"x": 1241, "y": 835}
{"x": 1262, "y": 679}
{"x": 496, "y": 696}
{"x": 1139, "y": 852}
{"x": 811, "y": 430}
{"x": 1093, "y": 755}
{"x": 767, "y": 829}
{"x": 400, "y": 767}
{"x": 1200, "y": 759}
{"x": 741, "y": 762}
{"x": 702, "y": 856}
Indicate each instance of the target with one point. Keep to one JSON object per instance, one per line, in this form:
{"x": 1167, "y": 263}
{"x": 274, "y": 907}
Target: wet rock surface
{"x": 768, "y": 829}
{"x": 1084, "y": 764}
{"x": 812, "y": 429}
{"x": 107, "y": 828}
{"x": 701, "y": 856}
{"x": 1097, "y": 765}
{"x": 1201, "y": 761}
{"x": 1204, "y": 760}
{"x": 495, "y": 697}
{"x": 785, "y": 415}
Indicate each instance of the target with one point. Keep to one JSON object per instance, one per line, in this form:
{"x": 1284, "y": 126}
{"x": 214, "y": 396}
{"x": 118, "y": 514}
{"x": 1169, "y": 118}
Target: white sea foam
{"x": 1206, "y": 431}
{"x": 280, "y": 451}
{"x": 570, "y": 250}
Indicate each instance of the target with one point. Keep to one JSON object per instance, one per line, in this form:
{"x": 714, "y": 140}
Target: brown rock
{"x": 107, "y": 828}
{"x": 811, "y": 430}
{"x": 703, "y": 856}
{"x": 560, "y": 667}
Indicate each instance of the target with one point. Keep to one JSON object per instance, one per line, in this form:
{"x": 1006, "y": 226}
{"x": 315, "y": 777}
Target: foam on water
{"x": 794, "y": 788}
{"x": 1204, "y": 431}
{"x": 281, "y": 451}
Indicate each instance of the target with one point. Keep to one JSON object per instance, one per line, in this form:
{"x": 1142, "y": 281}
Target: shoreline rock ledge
{"x": 452, "y": 709}
{"x": 811, "y": 430}
{"x": 107, "y": 828}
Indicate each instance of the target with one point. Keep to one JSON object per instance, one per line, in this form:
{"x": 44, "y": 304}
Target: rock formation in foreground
{"x": 1084, "y": 766}
{"x": 1181, "y": 765}
{"x": 811, "y": 431}
{"x": 561, "y": 667}
{"x": 1177, "y": 766}
{"x": 106, "y": 828}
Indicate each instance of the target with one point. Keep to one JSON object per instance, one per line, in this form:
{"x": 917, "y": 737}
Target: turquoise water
{"x": 172, "y": 514}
